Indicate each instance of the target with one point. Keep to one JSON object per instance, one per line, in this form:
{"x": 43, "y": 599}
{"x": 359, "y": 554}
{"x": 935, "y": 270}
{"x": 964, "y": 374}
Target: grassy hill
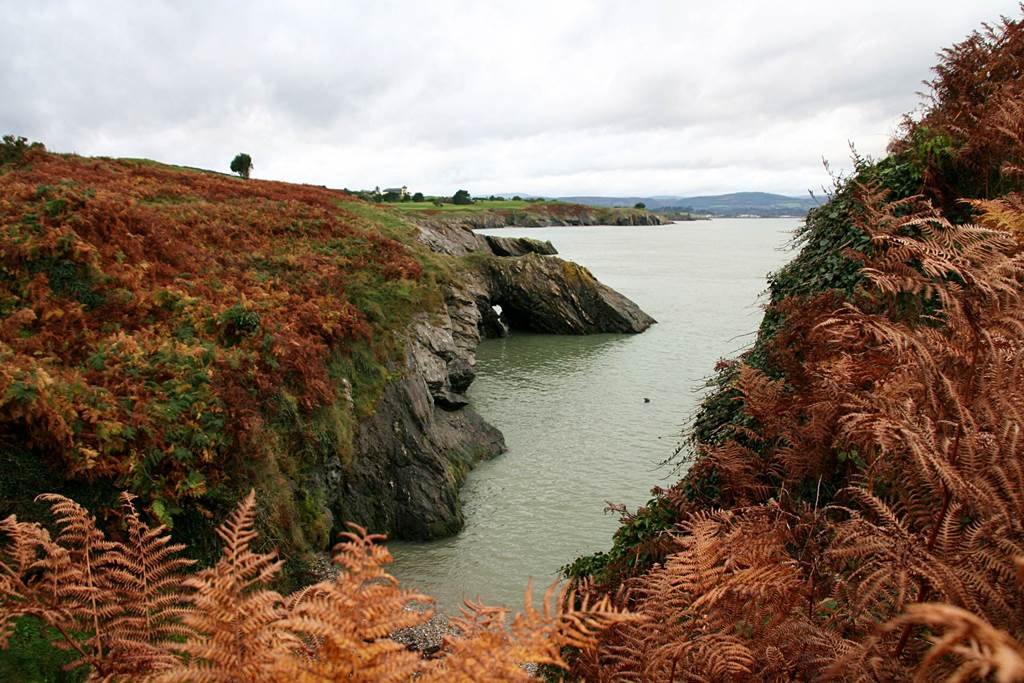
{"x": 485, "y": 213}
{"x": 186, "y": 334}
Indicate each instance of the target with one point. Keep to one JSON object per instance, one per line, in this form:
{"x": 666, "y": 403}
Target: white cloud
{"x": 565, "y": 97}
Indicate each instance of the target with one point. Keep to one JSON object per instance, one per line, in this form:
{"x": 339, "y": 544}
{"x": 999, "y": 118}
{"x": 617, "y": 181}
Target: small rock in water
{"x": 646, "y": 400}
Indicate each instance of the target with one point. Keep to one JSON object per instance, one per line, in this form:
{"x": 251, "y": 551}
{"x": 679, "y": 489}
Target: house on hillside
{"x": 396, "y": 192}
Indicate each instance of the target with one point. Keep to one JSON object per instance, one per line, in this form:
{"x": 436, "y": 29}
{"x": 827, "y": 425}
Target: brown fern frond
{"x": 236, "y": 628}
{"x": 80, "y": 573}
{"x": 131, "y": 612}
{"x": 494, "y": 647}
{"x": 148, "y": 576}
{"x": 346, "y": 624}
{"x": 22, "y": 593}
{"x": 980, "y": 650}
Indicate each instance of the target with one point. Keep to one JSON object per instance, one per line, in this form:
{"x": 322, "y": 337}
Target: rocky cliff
{"x": 519, "y": 246}
{"x": 550, "y": 295}
{"x": 189, "y": 336}
{"x": 413, "y": 453}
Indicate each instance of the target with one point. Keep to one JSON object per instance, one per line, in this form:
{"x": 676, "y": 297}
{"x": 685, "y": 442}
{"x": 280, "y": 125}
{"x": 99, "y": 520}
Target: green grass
{"x": 478, "y": 205}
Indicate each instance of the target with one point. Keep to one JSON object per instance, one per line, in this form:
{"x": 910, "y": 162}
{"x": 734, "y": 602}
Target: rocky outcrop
{"x": 413, "y": 453}
{"x": 550, "y": 295}
{"x": 450, "y": 237}
{"x": 533, "y": 291}
{"x": 637, "y": 217}
{"x": 519, "y": 246}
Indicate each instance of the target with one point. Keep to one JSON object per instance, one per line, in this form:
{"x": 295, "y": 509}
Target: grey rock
{"x": 450, "y": 400}
{"x": 547, "y": 294}
{"x": 452, "y": 237}
{"x": 427, "y": 637}
{"x": 519, "y": 246}
{"x": 460, "y": 374}
{"x": 411, "y": 457}
{"x": 413, "y": 453}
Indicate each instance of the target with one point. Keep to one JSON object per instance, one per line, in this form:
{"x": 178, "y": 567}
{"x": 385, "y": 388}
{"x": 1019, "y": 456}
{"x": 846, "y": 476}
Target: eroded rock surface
{"x": 519, "y": 246}
{"x": 413, "y": 453}
{"x": 547, "y": 294}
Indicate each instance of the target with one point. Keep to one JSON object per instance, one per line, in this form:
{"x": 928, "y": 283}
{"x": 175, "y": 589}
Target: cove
{"x": 572, "y": 408}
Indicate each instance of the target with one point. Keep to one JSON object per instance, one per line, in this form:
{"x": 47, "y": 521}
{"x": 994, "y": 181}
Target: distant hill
{"x": 733, "y": 204}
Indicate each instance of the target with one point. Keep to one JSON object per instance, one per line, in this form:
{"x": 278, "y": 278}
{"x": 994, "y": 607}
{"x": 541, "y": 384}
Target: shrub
{"x": 134, "y": 609}
{"x": 242, "y": 164}
{"x": 853, "y": 510}
{"x": 238, "y": 322}
{"x": 15, "y": 149}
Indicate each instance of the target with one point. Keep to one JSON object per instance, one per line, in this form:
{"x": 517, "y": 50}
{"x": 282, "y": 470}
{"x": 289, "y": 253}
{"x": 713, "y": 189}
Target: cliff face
{"x": 189, "y": 336}
{"x": 413, "y": 453}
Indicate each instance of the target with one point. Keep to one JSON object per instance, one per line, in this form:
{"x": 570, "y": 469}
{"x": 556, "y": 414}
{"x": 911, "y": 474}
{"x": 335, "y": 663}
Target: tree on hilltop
{"x": 242, "y": 164}
{"x": 462, "y": 197}
{"x": 17, "y": 150}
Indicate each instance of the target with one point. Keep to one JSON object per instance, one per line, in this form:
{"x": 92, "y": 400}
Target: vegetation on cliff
{"x": 186, "y": 335}
{"x": 854, "y": 505}
{"x": 134, "y": 610}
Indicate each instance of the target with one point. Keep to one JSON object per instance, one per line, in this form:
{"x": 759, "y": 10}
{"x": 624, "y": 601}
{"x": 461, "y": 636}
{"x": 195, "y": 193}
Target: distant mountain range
{"x": 733, "y": 204}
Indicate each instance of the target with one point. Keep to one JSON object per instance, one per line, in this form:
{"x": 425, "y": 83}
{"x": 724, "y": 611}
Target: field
{"x": 478, "y": 205}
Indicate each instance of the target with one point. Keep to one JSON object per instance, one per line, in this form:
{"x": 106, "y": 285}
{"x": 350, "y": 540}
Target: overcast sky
{"x": 553, "y": 98}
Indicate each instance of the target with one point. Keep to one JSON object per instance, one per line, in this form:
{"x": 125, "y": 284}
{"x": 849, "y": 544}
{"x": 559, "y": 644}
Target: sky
{"x": 552, "y": 98}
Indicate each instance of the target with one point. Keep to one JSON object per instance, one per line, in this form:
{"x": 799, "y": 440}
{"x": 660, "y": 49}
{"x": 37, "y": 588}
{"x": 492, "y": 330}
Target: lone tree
{"x": 242, "y": 164}
{"x": 15, "y": 149}
{"x": 639, "y": 205}
{"x": 462, "y": 197}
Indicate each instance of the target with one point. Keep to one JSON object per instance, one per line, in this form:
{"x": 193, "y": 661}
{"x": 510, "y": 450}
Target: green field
{"x": 477, "y": 205}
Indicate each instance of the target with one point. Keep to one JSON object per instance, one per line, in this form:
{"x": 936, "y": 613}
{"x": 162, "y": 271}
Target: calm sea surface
{"x": 572, "y": 408}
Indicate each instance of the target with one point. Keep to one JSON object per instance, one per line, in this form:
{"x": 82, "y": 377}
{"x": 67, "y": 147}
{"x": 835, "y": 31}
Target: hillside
{"x": 188, "y": 335}
{"x": 184, "y": 334}
{"x": 853, "y": 494}
{"x": 762, "y": 204}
